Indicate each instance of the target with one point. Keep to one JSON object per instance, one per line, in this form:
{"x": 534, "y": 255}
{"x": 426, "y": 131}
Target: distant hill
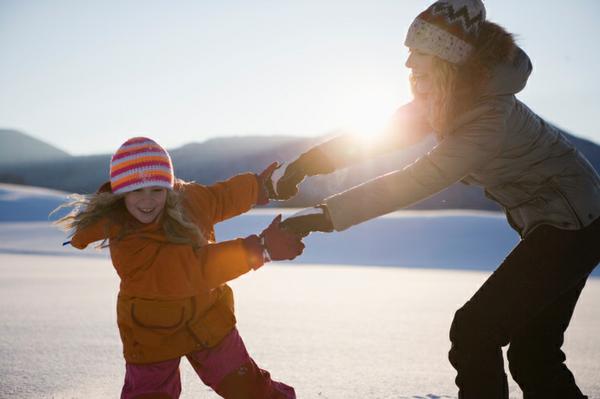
{"x": 220, "y": 158}
{"x": 206, "y": 162}
{"x": 17, "y": 148}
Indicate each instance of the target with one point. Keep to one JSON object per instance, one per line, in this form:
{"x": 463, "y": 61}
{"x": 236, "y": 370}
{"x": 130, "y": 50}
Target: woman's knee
{"x": 464, "y": 327}
{"x": 472, "y": 327}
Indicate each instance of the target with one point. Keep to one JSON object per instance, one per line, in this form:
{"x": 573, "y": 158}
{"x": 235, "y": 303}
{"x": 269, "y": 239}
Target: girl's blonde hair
{"x": 88, "y": 209}
{"x": 456, "y": 87}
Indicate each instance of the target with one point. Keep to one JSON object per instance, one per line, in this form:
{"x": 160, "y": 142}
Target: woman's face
{"x": 146, "y": 204}
{"x": 421, "y": 67}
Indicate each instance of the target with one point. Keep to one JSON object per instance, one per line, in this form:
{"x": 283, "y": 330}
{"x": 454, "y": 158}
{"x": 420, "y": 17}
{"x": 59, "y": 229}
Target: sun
{"x": 369, "y": 123}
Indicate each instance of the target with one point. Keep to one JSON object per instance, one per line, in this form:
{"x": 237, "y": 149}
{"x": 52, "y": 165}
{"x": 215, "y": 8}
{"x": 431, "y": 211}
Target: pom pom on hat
{"x": 447, "y": 29}
{"x": 140, "y": 162}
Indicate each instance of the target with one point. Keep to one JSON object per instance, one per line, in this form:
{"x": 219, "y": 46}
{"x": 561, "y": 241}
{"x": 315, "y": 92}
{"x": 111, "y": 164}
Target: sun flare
{"x": 369, "y": 124}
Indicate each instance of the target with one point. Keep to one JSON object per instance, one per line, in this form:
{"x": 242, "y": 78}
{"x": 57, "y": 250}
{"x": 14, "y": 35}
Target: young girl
{"x": 173, "y": 300}
{"x": 466, "y": 72}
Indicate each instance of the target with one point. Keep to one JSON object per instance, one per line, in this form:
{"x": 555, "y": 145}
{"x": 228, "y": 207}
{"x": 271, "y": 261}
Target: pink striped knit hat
{"x": 140, "y": 162}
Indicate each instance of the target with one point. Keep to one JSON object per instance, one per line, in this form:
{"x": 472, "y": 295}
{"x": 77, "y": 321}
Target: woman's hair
{"x": 456, "y": 86}
{"x": 87, "y": 209}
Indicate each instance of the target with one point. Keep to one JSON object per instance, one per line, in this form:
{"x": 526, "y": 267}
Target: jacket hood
{"x": 509, "y": 78}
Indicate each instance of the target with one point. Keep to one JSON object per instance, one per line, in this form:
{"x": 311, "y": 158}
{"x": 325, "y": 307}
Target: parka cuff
{"x": 255, "y": 251}
{"x": 263, "y": 194}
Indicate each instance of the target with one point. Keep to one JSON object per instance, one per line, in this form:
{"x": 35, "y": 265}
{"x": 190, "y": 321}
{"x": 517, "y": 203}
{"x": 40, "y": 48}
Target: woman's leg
{"x": 535, "y": 358}
{"x": 541, "y": 269}
{"x": 152, "y": 381}
{"x": 231, "y": 372}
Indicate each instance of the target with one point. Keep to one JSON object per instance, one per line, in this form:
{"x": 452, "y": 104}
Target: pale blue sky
{"x": 86, "y": 75}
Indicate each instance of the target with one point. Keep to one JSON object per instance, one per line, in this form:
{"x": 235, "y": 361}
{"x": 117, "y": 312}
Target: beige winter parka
{"x": 523, "y": 163}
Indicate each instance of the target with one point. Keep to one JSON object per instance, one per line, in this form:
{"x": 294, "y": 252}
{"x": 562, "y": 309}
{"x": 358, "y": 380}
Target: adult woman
{"x": 465, "y": 74}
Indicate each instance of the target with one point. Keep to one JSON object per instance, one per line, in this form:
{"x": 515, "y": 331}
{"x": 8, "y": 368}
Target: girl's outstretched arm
{"x": 97, "y": 231}
{"x": 225, "y": 261}
{"x": 224, "y": 200}
{"x": 232, "y": 197}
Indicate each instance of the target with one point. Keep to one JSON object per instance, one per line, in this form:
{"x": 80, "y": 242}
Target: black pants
{"x": 527, "y": 303}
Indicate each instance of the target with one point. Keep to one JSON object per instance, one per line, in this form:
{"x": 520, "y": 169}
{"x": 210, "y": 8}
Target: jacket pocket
{"x": 155, "y": 321}
{"x": 575, "y": 219}
{"x": 212, "y": 326}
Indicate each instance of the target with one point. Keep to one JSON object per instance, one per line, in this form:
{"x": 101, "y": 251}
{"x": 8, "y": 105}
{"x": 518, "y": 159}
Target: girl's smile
{"x": 146, "y": 204}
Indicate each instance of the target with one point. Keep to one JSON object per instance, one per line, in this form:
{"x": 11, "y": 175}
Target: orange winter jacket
{"x": 173, "y": 298}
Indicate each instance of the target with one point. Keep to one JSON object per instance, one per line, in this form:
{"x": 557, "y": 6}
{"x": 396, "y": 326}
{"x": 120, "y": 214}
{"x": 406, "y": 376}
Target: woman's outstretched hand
{"x": 313, "y": 162}
{"x": 279, "y": 243}
{"x": 308, "y": 220}
{"x": 287, "y": 185}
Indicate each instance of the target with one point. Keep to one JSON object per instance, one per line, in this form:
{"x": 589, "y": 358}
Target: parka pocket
{"x": 212, "y": 326}
{"x": 155, "y": 321}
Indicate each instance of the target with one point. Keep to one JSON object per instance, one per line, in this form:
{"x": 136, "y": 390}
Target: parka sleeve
{"x": 223, "y": 261}
{"x": 96, "y": 231}
{"x": 225, "y": 199}
{"x": 462, "y": 152}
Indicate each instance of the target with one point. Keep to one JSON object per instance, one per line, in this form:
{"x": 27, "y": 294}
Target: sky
{"x": 86, "y": 75}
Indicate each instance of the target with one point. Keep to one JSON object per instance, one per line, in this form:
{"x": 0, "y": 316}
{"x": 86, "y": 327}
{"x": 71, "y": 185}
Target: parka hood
{"x": 509, "y": 78}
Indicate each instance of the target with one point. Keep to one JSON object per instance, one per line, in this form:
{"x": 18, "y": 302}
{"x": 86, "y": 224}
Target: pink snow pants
{"x": 227, "y": 368}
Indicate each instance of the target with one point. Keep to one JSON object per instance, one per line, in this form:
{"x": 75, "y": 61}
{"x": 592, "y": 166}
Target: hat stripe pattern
{"x": 140, "y": 162}
{"x": 141, "y": 168}
{"x": 133, "y": 183}
{"x": 129, "y": 150}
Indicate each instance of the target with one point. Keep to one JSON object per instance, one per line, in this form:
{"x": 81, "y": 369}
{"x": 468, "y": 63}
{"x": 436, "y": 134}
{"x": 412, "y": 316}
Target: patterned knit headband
{"x": 447, "y": 29}
{"x": 140, "y": 162}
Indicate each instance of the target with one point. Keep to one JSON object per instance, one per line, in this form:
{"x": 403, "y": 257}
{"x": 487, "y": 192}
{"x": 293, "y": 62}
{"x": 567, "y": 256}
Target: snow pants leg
{"x": 227, "y": 368}
{"x": 159, "y": 380}
{"x": 232, "y": 373}
{"x": 527, "y": 303}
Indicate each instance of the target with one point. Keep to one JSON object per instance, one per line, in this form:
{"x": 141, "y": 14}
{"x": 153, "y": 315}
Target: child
{"x": 173, "y": 300}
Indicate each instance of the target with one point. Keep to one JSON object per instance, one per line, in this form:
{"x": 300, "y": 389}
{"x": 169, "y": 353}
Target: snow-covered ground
{"x": 330, "y": 331}
{"x": 362, "y": 314}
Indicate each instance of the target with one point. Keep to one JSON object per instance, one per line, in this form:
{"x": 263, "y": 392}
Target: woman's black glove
{"x": 313, "y": 162}
{"x": 309, "y": 220}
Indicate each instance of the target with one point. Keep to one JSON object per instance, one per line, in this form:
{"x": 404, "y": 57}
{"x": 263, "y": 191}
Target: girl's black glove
{"x": 309, "y": 220}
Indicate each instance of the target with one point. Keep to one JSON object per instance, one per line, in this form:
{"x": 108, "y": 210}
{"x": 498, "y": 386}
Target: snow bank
{"x": 26, "y": 204}
{"x": 431, "y": 239}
